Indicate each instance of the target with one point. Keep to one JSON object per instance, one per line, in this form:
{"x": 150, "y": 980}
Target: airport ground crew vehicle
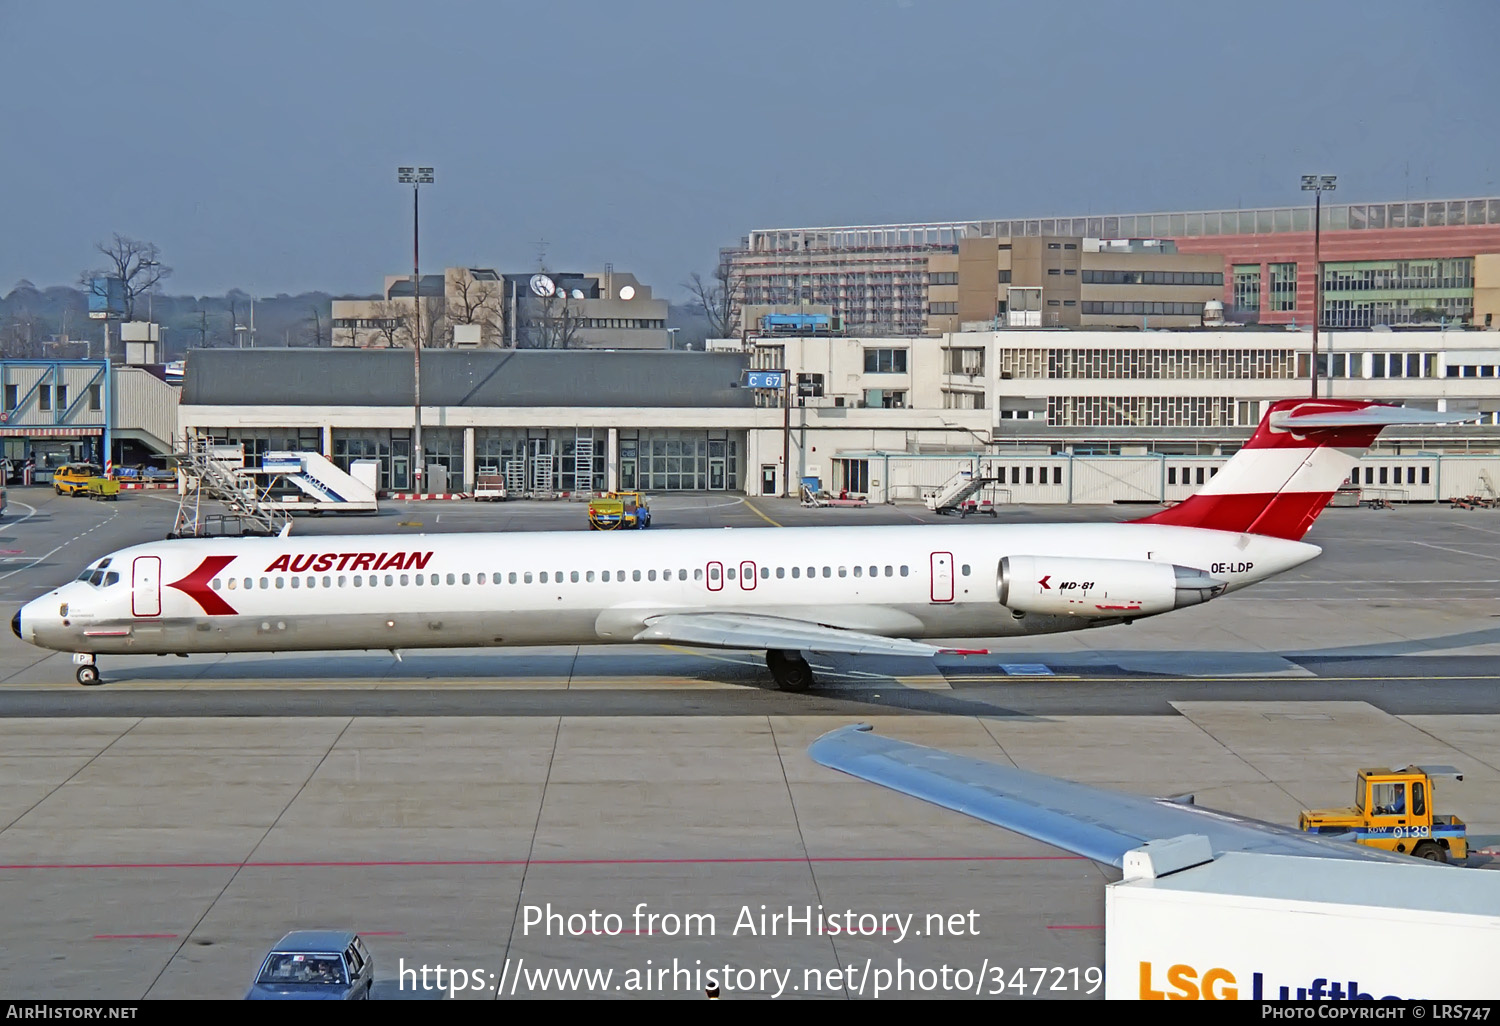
{"x": 619, "y": 509}
{"x": 73, "y": 478}
{"x": 1394, "y": 810}
{"x": 106, "y": 488}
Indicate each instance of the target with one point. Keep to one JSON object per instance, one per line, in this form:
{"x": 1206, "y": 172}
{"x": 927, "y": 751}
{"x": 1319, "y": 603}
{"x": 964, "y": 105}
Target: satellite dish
{"x": 543, "y": 285}
{"x": 578, "y": 293}
{"x": 627, "y": 292}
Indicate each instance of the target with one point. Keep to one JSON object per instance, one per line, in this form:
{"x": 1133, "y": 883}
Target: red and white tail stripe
{"x": 1288, "y": 471}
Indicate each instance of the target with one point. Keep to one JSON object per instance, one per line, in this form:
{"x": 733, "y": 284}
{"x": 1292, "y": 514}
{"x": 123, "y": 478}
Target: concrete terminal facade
{"x": 884, "y": 417}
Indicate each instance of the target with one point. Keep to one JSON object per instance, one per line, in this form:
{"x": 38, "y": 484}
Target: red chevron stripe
{"x": 195, "y": 586}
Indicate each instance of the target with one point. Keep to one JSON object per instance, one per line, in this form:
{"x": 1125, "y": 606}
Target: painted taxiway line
{"x": 460, "y": 863}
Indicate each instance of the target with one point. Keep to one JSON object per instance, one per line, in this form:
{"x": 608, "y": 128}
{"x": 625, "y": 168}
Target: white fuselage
{"x": 461, "y": 590}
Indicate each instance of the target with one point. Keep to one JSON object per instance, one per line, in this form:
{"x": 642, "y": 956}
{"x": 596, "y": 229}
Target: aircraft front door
{"x": 942, "y": 577}
{"x": 145, "y": 586}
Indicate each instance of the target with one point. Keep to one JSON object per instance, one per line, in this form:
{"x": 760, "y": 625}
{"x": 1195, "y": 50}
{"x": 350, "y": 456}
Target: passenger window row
{"x": 534, "y": 577}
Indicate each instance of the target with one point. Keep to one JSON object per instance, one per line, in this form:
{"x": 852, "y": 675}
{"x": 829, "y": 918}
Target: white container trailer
{"x": 1253, "y": 926}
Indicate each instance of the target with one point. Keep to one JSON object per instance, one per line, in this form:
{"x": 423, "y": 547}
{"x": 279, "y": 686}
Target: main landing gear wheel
{"x": 88, "y": 675}
{"x": 789, "y": 670}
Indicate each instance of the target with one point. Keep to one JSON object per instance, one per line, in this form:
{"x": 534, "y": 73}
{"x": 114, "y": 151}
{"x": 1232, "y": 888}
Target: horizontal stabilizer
{"x": 1368, "y": 417}
{"x": 750, "y": 631}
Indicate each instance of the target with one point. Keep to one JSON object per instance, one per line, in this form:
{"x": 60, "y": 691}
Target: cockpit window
{"x": 104, "y": 562}
{"x": 98, "y": 577}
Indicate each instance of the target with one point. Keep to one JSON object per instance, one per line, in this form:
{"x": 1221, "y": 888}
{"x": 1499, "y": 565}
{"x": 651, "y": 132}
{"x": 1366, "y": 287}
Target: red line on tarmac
{"x": 134, "y": 936}
{"x": 538, "y": 862}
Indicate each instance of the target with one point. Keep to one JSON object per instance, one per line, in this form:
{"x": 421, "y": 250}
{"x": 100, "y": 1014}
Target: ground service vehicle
{"x": 73, "y": 478}
{"x": 1393, "y": 810}
{"x": 1255, "y": 927}
{"x": 315, "y": 965}
{"x": 619, "y": 509}
{"x": 102, "y": 488}
{"x": 490, "y": 488}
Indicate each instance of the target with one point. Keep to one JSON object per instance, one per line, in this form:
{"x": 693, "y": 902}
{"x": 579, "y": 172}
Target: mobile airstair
{"x": 951, "y": 496}
{"x": 309, "y": 482}
{"x": 209, "y": 474}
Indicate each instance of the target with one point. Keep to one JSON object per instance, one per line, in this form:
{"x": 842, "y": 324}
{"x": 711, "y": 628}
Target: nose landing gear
{"x": 88, "y": 672}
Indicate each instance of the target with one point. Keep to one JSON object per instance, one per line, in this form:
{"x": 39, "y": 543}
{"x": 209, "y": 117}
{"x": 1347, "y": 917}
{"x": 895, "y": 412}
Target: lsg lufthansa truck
{"x": 1184, "y": 925}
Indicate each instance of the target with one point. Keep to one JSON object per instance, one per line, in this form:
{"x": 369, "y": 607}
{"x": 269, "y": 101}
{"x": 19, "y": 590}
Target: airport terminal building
{"x": 1067, "y": 412}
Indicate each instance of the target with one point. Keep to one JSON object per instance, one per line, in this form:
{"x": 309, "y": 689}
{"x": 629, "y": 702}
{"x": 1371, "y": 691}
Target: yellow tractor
{"x": 1393, "y": 810}
{"x": 619, "y": 509}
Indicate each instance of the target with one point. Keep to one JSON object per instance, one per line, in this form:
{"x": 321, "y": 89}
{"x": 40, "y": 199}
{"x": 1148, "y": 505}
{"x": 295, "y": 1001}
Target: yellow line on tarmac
{"x": 758, "y": 513}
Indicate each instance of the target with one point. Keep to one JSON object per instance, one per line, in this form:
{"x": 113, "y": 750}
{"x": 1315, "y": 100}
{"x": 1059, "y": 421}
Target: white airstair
{"x": 308, "y": 482}
{"x": 950, "y": 497}
{"x": 210, "y": 472}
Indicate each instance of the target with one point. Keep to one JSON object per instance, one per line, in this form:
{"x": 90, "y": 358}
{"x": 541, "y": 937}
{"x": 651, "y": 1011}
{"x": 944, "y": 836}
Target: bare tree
{"x": 22, "y": 334}
{"x": 556, "y": 323}
{"x": 136, "y": 264}
{"x": 391, "y": 323}
{"x": 437, "y": 332}
{"x": 317, "y": 325}
{"x": 717, "y": 298}
{"x": 480, "y": 301}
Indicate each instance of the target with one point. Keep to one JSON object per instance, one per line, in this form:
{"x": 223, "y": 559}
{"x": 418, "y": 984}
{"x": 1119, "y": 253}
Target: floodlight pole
{"x": 416, "y": 177}
{"x": 786, "y": 434}
{"x": 1317, "y": 185}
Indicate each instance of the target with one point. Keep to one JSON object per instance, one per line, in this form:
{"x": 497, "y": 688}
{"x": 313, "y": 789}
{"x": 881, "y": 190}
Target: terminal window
{"x": 1283, "y": 287}
{"x": 1247, "y": 288}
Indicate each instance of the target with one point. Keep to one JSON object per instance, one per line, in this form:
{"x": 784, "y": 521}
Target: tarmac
{"x": 490, "y": 811}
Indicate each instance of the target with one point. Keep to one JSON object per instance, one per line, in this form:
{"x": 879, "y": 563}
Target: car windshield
{"x": 303, "y": 968}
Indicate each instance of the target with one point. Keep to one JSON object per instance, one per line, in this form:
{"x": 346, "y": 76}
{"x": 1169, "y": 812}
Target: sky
{"x": 257, "y": 143}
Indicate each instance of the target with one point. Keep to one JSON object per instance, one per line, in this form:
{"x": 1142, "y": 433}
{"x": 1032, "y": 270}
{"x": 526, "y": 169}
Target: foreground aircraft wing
{"x": 1100, "y": 824}
{"x": 748, "y": 630}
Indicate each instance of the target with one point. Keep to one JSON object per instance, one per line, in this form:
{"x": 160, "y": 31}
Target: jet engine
{"x": 1100, "y": 588}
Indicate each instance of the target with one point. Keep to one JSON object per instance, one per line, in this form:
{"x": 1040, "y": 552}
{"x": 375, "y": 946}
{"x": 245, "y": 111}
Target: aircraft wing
{"x": 749, "y": 630}
{"x": 1094, "y": 822}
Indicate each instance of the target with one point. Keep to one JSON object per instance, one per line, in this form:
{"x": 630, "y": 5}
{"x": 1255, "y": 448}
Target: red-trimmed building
{"x": 1409, "y": 262}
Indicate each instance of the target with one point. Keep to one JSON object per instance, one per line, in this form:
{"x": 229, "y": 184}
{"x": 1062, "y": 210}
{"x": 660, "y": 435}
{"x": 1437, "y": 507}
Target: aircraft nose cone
{"x": 15, "y": 623}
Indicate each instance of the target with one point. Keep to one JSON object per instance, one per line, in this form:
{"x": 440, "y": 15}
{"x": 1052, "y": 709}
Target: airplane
{"x": 854, "y": 590}
{"x": 1094, "y": 822}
